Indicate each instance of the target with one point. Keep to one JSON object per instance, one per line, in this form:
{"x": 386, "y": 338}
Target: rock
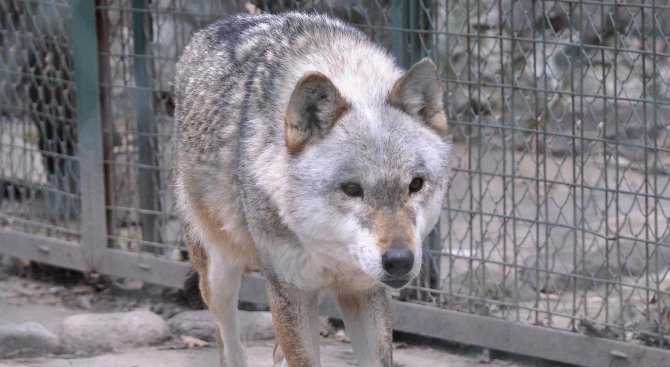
{"x": 127, "y": 287}
{"x": 95, "y": 333}
{"x": 489, "y": 282}
{"x": 637, "y": 258}
{"x": 28, "y": 339}
{"x": 84, "y": 301}
{"x": 255, "y": 325}
{"x": 202, "y": 325}
{"x": 199, "y": 324}
{"x": 166, "y": 310}
{"x": 560, "y": 273}
{"x": 596, "y": 266}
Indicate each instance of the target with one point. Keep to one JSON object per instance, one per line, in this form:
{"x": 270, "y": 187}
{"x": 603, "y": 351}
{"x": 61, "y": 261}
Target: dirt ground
{"x": 48, "y": 296}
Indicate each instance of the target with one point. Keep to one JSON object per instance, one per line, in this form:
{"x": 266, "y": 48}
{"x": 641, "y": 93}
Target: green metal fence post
{"x": 146, "y": 129}
{"x": 398, "y": 38}
{"x": 89, "y": 150}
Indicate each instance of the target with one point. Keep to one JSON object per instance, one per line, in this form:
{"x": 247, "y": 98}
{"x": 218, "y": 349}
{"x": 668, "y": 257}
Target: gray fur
{"x": 275, "y": 113}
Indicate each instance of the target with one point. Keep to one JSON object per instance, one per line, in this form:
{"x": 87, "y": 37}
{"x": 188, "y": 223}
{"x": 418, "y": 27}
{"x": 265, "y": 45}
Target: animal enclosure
{"x": 555, "y": 235}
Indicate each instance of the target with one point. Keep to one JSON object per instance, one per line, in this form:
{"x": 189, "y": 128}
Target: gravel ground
{"x": 48, "y": 297}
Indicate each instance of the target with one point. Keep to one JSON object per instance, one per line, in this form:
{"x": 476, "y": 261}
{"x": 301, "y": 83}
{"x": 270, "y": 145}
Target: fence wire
{"x": 40, "y": 192}
{"x": 558, "y": 212}
{"x": 559, "y": 209}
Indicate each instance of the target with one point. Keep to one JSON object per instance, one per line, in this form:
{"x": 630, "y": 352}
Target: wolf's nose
{"x": 397, "y": 262}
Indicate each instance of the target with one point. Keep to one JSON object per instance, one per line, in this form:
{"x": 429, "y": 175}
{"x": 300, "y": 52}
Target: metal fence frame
{"x": 91, "y": 252}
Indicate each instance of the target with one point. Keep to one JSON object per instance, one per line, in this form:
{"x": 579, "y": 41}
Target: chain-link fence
{"x": 558, "y": 212}
{"x": 37, "y": 108}
{"x": 558, "y": 215}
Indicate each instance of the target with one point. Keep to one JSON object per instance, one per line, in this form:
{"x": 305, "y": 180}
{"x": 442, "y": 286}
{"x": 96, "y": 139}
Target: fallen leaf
{"x": 192, "y": 342}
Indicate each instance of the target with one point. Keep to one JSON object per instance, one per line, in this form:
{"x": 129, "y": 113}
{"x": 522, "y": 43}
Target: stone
{"x": 560, "y": 273}
{"x": 490, "y": 283}
{"x": 28, "y": 339}
{"x": 637, "y": 258}
{"x": 255, "y": 325}
{"x": 199, "y": 324}
{"x": 95, "y": 333}
{"x": 596, "y": 266}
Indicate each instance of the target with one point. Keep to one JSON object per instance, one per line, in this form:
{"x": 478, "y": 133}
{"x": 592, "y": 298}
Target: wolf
{"x": 305, "y": 152}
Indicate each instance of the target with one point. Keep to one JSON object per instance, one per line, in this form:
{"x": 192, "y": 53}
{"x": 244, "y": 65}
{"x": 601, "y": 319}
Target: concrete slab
{"x": 18, "y": 303}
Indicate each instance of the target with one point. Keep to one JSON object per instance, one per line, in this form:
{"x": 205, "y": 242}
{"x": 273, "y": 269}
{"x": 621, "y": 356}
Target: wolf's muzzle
{"x": 397, "y": 263}
{"x": 396, "y": 282}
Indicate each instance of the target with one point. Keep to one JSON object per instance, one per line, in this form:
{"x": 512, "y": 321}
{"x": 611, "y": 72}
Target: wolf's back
{"x": 253, "y": 54}
{"x": 244, "y": 67}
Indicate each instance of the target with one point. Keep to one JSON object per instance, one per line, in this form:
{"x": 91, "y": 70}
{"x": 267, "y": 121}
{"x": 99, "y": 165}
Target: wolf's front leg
{"x": 223, "y": 281}
{"x": 367, "y": 317}
{"x": 296, "y": 323}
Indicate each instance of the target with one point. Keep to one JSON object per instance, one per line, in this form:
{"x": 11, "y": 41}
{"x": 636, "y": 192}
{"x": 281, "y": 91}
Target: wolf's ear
{"x": 314, "y": 107}
{"x": 419, "y": 94}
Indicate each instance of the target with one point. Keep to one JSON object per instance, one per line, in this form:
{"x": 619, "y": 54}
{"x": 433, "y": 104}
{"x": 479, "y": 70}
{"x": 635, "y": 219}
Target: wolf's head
{"x": 367, "y": 179}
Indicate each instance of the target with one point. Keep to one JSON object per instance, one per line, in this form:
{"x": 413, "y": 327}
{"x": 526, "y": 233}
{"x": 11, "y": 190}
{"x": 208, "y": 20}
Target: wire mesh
{"x": 557, "y": 215}
{"x": 559, "y": 207}
{"x": 38, "y": 139}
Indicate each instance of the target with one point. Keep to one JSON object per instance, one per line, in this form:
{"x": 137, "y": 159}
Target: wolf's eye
{"x": 352, "y": 189}
{"x": 415, "y": 185}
